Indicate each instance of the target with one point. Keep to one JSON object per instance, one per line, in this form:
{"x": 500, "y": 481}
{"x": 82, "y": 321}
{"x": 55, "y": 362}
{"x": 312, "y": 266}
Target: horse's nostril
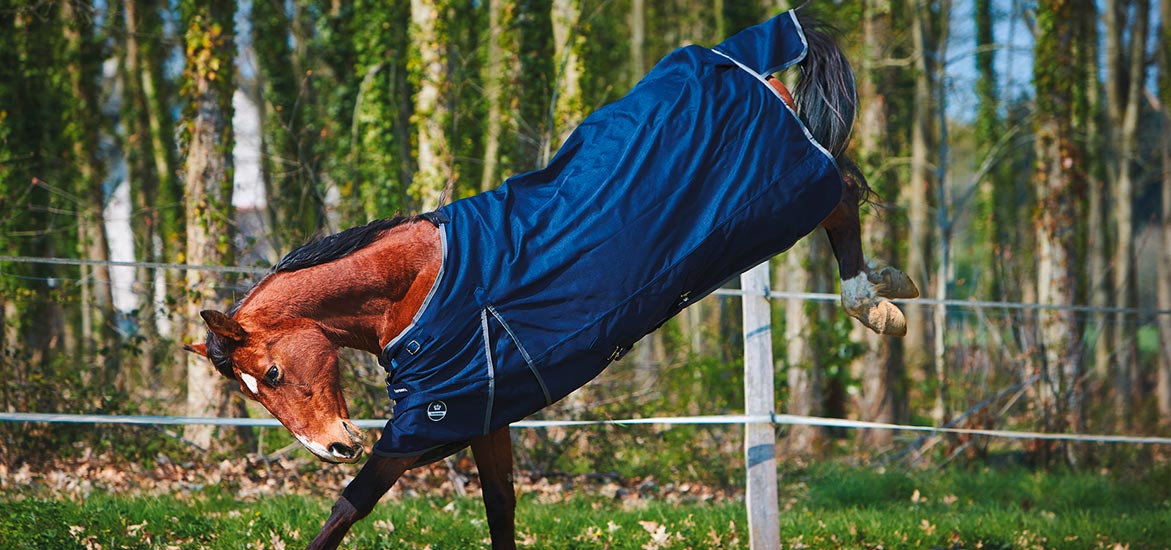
{"x": 341, "y": 450}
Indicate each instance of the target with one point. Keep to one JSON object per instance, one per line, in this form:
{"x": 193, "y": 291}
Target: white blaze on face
{"x": 250, "y": 383}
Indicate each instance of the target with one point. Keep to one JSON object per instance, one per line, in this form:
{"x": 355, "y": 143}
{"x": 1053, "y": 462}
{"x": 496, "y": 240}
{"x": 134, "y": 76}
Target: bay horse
{"x": 495, "y": 306}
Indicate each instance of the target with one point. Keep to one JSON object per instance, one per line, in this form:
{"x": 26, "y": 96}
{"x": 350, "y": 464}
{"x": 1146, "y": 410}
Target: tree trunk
{"x": 568, "y": 110}
{"x": 381, "y": 126}
{"x": 1163, "y": 389}
{"x": 499, "y": 75}
{"x": 919, "y": 192}
{"x": 281, "y": 41}
{"x": 434, "y": 182}
{"x": 99, "y": 338}
{"x": 144, "y": 182}
{"x": 880, "y": 367}
{"x": 207, "y": 173}
{"x": 1061, "y": 187}
{"x": 1126, "y": 70}
{"x": 806, "y": 392}
{"x": 637, "y": 40}
{"x": 944, "y": 275}
{"x": 989, "y": 224}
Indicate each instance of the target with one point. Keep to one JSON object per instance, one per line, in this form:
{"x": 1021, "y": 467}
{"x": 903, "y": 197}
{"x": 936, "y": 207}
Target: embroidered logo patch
{"x": 436, "y": 410}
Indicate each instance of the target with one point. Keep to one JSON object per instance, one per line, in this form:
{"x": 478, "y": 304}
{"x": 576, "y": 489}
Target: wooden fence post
{"x": 760, "y": 445}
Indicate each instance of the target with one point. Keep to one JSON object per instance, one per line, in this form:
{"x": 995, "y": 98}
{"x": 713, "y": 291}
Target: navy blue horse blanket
{"x": 696, "y": 175}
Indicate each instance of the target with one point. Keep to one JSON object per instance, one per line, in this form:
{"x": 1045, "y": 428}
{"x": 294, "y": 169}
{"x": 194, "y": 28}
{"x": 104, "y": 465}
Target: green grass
{"x": 825, "y": 507}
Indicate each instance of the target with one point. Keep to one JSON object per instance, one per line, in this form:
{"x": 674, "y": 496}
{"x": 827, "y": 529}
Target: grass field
{"x": 825, "y": 507}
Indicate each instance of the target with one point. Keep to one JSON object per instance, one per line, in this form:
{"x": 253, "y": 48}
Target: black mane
{"x": 316, "y": 252}
{"x": 336, "y": 246}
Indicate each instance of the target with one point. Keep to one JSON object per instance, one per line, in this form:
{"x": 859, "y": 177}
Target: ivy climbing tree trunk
{"x": 207, "y": 129}
{"x": 988, "y": 131}
{"x": 500, "y": 91}
{"x": 434, "y": 182}
{"x": 381, "y": 140}
{"x": 568, "y": 110}
{"x": 1061, "y": 187}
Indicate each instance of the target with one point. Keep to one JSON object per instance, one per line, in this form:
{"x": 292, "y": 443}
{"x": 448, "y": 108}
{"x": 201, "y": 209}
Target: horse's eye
{"x": 273, "y": 375}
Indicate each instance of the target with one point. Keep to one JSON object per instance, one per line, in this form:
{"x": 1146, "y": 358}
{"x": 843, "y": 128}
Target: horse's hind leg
{"x": 493, "y": 454}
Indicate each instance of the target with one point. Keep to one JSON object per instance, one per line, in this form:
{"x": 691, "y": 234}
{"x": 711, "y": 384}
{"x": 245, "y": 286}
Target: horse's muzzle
{"x": 345, "y": 448}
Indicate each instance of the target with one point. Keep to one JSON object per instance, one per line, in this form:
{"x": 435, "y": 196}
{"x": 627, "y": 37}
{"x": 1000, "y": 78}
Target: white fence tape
{"x": 778, "y": 419}
{"x": 774, "y": 295}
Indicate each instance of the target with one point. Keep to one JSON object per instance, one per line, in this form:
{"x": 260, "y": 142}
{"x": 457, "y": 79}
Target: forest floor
{"x": 91, "y": 503}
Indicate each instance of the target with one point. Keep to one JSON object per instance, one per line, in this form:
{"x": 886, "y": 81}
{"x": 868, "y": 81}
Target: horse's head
{"x": 291, "y": 368}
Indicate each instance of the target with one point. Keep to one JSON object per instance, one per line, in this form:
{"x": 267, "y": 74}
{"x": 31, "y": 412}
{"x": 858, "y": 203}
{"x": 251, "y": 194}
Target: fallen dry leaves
{"x": 252, "y": 477}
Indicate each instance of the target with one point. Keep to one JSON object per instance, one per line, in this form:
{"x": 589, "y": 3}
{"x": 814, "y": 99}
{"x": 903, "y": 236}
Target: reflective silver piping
{"x": 524, "y": 353}
{"x": 491, "y": 370}
{"x": 764, "y": 80}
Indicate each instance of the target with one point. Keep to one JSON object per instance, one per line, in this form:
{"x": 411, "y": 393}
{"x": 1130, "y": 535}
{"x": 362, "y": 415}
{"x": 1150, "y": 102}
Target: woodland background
{"x": 1020, "y": 151}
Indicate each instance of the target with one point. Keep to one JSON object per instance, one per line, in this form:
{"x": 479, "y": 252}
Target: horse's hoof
{"x": 893, "y": 283}
{"x": 885, "y": 318}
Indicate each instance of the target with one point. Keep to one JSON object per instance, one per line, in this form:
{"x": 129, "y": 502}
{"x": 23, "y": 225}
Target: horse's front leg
{"x": 864, "y": 292}
{"x": 493, "y": 454}
{"x": 359, "y": 497}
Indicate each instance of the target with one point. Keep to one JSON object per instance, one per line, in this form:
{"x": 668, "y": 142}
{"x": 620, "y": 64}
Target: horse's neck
{"x": 364, "y": 299}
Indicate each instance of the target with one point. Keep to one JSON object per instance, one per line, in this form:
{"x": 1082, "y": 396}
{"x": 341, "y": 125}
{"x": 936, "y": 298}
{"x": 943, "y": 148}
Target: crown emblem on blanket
{"x": 436, "y": 411}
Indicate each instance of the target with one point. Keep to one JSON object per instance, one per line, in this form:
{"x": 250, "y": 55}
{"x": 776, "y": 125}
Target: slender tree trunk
{"x": 281, "y": 43}
{"x": 988, "y": 132}
{"x": 637, "y": 40}
{"x": 568, "y": 109}
{"x": 207, "y": 173}
{"x": 537, "y": 73}
{"x": 920, "y": 190}
{"x": 1163, "y": 386}
{"x": 880, "y": 367}
{"x": 1126, "y": 72}
{"x": 99, "y": 339}
{"x": 1098, "y": 246}
{"x": 1085, "y": 124}
{"x": 10, "y": 91}
{"x": 143, "y": 179}
{"x": 1164, "y": 279}
{"x": 167, "y": 222}
{"x": 434, "y": 182}
{"x": 803, "y": 319}
{"x": 499, "y": 74}
{"x": 943, "y": 269}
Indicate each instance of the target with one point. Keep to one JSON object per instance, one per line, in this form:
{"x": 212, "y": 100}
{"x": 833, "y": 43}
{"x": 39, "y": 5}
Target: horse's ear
{"x": 222, "y": 325}
{"x": 198, "y": 349}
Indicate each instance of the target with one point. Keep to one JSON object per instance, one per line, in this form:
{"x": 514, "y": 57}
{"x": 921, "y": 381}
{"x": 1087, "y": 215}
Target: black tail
{"x": 826, "y": 95}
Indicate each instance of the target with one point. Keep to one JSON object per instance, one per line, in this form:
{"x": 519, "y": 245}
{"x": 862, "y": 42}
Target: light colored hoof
{"x": 884, "y": 318}
{"x": 892, "y": 283}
